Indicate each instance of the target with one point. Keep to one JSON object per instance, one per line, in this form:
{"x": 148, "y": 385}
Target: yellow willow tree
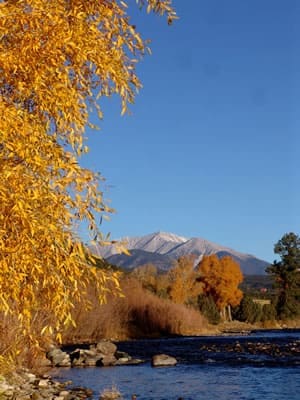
{"x": 184, "y": 287}
{"x": 56, "y": 59}
{"x": 221, "y": 278}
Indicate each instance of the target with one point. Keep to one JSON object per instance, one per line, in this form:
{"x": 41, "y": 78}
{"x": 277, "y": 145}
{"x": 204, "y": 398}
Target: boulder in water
{"x": 163, "y": 360}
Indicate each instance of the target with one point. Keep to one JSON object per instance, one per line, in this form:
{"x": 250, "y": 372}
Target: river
{"x": 264, "y": 365}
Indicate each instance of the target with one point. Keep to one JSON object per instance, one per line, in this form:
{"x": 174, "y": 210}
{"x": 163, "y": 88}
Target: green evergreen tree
{"x": 268, "y": 312}
{"x": 248, "y": 311}
{"x": 208, "y": 308}
{"x": 286, "y": 276}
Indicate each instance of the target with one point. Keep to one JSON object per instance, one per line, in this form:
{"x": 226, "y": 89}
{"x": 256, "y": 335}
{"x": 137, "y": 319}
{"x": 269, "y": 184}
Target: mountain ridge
{"x": 168, "y": 246}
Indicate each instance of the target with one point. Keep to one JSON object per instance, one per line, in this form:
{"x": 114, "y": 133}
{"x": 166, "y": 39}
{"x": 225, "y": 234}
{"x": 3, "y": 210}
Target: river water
{"x": 264, "y": 365}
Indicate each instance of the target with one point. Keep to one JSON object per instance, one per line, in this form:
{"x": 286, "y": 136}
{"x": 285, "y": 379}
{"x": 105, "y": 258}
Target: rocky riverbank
{"x": 25, "y": 385}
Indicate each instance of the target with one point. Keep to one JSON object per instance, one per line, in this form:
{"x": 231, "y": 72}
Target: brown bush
{"x": 138, "y": 314}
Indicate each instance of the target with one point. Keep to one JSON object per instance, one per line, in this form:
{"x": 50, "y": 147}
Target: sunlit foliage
{"x": 221, "y": 278}
{"x": 147, "y": 275}
{"x": 56, "y": 59}
{"x": 183, "y": 285}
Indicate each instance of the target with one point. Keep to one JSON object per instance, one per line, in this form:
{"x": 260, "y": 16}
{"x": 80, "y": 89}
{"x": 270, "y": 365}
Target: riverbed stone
{"x": 131, "y": 361}
{"x": 106, "y": 347}
{"x": 122, "y": 354}
{"x": 91, "y": 362}
{"x": 110, "y": 394}
{"x": 84, "y": 358}
{"x": 107, "y": 361}
{"x": 162, "y": 360}
{"x": 59, "y": 358}
{"x": 43, "y": 383}
{"x": 123, "y": 360}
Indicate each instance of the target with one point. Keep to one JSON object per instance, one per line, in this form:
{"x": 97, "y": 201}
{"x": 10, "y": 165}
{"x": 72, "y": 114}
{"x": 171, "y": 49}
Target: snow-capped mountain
{"x": 158, "y": 242}
{"x": 161, "y": 248}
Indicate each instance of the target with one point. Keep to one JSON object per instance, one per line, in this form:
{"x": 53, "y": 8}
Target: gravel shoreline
{"x": 25, "y": 385}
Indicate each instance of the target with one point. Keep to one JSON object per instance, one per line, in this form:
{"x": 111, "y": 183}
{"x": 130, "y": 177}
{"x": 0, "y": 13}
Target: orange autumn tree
{"x": 183, "y": 285}
{"x": 221, "y": 278}
{"x": 57, "y": 59}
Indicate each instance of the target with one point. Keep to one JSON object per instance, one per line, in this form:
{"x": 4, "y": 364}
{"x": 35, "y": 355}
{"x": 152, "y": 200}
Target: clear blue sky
{"x": 211, "y": 149}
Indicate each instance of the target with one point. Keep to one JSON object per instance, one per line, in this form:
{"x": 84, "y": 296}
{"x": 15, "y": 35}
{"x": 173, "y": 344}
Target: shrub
{"x": 268, "y": 313}
{"x": 208, "y": 308}
{"x": 248, "y": 311}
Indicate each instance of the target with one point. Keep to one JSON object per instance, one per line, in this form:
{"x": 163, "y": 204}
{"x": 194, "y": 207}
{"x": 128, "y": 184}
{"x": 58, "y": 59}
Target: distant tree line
{"x": 210, "y": 286}
{"x": 216, "y": 286}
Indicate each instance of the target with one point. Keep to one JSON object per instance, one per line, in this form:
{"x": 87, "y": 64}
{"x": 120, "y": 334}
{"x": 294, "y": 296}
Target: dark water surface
{"x": 262, "y": 366}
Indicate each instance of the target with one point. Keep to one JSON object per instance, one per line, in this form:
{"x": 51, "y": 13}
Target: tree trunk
{"x": 229, "y": 312}
{"x": 223, "y": 314}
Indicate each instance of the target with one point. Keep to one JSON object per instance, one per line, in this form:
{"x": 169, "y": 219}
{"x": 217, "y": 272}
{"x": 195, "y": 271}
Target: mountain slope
{"x": 141, "y": 257}
{"x": 161, "y": 248}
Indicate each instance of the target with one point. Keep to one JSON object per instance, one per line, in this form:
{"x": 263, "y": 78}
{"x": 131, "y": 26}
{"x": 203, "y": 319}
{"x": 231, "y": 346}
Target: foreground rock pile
{"x": 103, "y": 354}
{"x": 27, "y": 386}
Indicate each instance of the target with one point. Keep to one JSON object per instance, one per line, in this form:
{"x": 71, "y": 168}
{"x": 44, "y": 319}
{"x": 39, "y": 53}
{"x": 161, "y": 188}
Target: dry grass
{"x": 19, "y": 350}
{"x": 138, "y": 314}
